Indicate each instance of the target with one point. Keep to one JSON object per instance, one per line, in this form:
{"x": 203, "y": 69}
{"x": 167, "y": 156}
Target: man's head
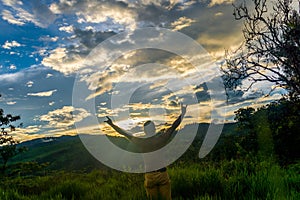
{"x": 149, "y": 128}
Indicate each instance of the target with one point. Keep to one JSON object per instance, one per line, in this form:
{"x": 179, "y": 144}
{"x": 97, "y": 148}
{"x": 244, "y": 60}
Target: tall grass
{"x": 236, "y": 179}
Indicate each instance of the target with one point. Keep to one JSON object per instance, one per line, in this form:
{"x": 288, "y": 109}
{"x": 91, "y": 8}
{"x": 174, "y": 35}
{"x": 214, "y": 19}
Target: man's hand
{"x": 183, "y": 109}
{"x": 109, "y": 121}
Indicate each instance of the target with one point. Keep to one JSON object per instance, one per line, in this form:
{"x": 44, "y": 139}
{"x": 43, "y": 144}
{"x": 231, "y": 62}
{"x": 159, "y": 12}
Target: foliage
{"x": 27, "y": 168}
{"x": 271, "y": 49}
{"x": 246, "y": 128}
{"x": 8, "y": 145}
{"x": 274, "y": 127}
{"x": 284, "y": 119}
{"x": 235, "y": 179}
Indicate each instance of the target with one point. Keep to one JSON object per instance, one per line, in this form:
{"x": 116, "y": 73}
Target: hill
{"x": 69, "y": 153}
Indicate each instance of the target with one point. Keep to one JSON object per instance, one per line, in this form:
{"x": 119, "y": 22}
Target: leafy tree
{"x": 8, "y": 145}
{"x": 247, "y": 139}
{"x": 243, "y": 117}
{"x": 271, "y": 49}
{"x": 284, "y": 119}
{"x": 273, "y": 128}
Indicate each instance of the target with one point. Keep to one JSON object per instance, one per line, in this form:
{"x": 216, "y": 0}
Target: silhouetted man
{"x": 157, "y": 183}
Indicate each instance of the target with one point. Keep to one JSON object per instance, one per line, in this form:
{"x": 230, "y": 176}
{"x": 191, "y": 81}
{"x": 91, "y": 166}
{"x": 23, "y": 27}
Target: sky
{"x": 57, "y": 71}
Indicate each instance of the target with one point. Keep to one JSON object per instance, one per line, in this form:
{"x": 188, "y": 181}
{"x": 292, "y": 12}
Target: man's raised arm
{"x": 118, "y": 129}
{"x": 176, "y": 123}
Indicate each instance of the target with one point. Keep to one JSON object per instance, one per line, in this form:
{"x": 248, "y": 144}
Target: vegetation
{"x": 235, "y": 179}
{"x": 255, "y": 158}
{"x": 271, "y": 49}
{"x": 8, "y": 145}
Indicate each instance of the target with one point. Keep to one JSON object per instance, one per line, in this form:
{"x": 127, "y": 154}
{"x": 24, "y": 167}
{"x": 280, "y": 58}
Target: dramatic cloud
{"x": 28, "y": 133}
{"x": 58, "y": 40}
{"x": 61, "y": 60}
{"x": 64, "y": 117}
{"x": 110, "y": 15}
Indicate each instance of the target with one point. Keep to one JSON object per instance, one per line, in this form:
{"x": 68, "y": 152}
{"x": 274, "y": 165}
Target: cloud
{"x": 12, "y": 2}
{"x": 219, "y": 14}
{"x": 158, "y": 84}
{"x": 130, "y": 68}
{"x": 165, "y": 4}
{"x": 111, "y": 15}
{"x": 70, "y": 60}
{"x": 42, "y": 94}
{"x": 101, "y": 14}
{"x": 19, "y": 76}
{"x": 182, "y": 23}
{"x": 186, "y": 4}
{"x": 9, "y": 45}
{"x": 68, "y": 29}
{"x": 64, "y": 117}
{"x": 12, "y": 67}
{"x": 109, "y": 18}
{"x": 11, "y": 103}
{"x": 104, "y": 111}
{"x": 29, "y": 83}
{"x": 219, "y": 2}
{"x": 39, "y": 13}
{"x": 8, "y": 16}
{"x": 49, "y": 75}
{"x": 47, "y": 38}
{"x": 11, "y": 77}
{"x": 27, "y": 133}
{"x": 62, "y": 60}
{"x": 90, "y": 39}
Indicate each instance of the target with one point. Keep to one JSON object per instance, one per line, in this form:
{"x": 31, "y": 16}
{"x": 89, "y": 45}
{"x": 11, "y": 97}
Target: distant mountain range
{"x": 69, "y": 153}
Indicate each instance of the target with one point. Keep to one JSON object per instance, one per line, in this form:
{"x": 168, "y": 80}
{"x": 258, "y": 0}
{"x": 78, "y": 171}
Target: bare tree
{"x": 271, "y": 48}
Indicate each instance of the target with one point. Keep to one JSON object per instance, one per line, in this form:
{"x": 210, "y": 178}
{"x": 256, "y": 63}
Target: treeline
{"x": 270, "y": 131}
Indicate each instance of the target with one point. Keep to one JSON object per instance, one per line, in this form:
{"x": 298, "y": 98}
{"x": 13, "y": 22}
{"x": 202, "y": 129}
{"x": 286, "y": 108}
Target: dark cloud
{"x": 91, "y": 39}
{"x": 203, "y": 94}
{"x": 42, "y": 13}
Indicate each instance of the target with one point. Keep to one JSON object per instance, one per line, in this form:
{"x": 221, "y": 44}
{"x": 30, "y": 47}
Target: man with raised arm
{"x": 157, "y": 183}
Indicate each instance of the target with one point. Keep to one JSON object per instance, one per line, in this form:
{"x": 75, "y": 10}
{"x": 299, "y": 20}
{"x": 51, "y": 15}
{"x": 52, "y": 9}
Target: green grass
{"x": 236, "y": 179}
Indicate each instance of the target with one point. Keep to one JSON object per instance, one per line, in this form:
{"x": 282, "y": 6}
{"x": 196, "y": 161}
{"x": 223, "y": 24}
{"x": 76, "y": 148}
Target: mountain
{"x": 69, "y": 153}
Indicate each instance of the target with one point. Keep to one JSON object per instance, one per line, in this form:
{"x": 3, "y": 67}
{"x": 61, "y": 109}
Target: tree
{"x": 284, "y": 119}
{"x": 8, "y": 145}
{"x": 270, "y": 129}
{"x": 247, "y": 139}
{"x": 271, "y": 49}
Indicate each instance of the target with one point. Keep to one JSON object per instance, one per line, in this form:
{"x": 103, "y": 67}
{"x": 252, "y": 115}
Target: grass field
{"x": 236, "y": 179}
